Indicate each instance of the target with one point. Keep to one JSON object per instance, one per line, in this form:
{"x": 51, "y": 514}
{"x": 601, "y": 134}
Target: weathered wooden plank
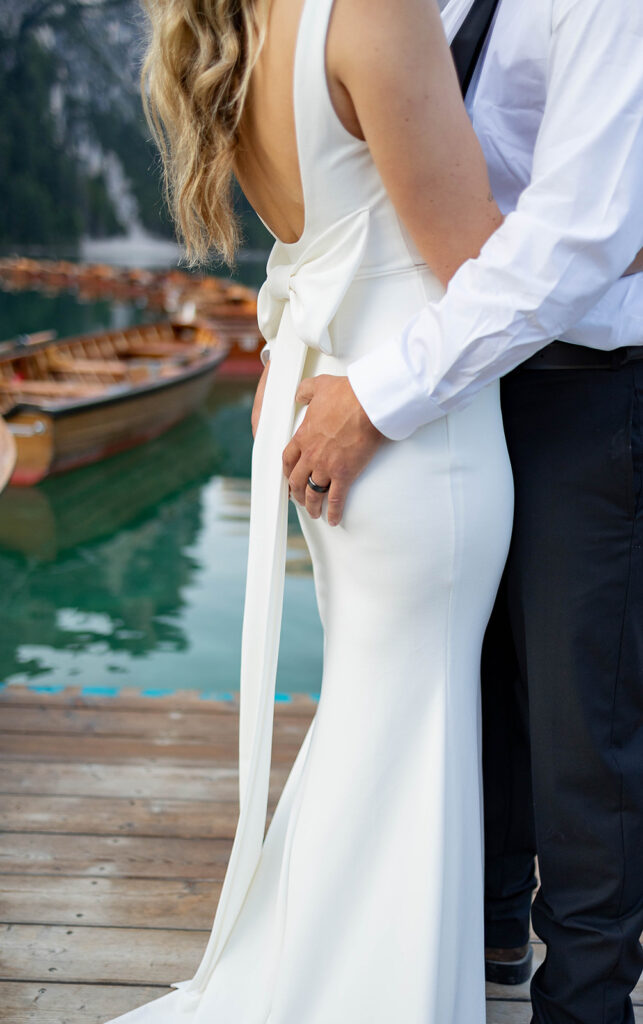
{"x": 182, "y": 819}
{"x": 73, "y": 748}
{"x": 125, "y": 955}
{"x": 110, "y": 856}
{"x": 508, "y": 1012}
{"x": 127, "y": 698}
{"x": 148, "y": 781}
{"x": 156, "y": 726}
{"x": 121, "y": 955}
{"x": 108, "y": 902}
{"x": 46, "y": 1003}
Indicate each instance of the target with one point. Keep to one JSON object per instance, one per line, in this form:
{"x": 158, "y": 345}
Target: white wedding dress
{"x": 364, "y": 903}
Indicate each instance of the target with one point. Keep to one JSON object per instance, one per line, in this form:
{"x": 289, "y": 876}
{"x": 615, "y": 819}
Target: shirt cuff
{"x": 264, "y": 355}
{"x": 389, "y": 394}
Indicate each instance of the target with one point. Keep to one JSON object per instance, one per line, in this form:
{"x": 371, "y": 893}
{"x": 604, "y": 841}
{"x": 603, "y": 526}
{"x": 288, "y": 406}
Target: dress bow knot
{"x": 314, "y": 284}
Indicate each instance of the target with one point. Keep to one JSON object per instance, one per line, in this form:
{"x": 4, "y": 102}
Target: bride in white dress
{"x": 364, "y": 903}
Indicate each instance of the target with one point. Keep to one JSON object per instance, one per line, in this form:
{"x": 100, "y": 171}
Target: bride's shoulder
{"x": 376, "y": 16}
{"x": 392, "y": 34}
{"x": 400, "y": 69}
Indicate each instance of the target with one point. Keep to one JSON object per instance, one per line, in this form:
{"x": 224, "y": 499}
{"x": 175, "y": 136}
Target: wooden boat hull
{"x": 78, "y": 400}
{"x": 243, "y": 358}
{"x": 51, "y": 440}
{"x": 7, "y": 454}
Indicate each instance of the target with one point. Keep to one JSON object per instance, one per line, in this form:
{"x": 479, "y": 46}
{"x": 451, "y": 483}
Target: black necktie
{"x": 470, "y": 38}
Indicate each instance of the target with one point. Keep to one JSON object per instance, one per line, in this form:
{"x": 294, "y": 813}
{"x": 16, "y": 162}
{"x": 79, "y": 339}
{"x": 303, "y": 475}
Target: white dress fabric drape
{"x": 364, "y": 903}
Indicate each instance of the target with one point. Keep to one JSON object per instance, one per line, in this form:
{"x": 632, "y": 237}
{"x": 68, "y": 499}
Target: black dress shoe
{"x": 508, "y": 966}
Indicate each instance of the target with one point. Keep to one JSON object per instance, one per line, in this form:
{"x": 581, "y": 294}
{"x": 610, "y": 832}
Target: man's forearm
{"x": 555, "y": 256}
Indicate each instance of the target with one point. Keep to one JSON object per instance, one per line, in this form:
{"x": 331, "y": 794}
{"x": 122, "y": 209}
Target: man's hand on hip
{"x": 333, "y": 444}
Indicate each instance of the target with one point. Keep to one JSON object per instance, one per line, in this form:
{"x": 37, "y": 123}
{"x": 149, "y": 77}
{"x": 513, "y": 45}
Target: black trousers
{"x": 562, "y": 685}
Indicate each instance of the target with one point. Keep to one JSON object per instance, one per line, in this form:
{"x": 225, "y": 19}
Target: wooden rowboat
{"x": 7, "y": 454}
{"x": 78, "y": 400}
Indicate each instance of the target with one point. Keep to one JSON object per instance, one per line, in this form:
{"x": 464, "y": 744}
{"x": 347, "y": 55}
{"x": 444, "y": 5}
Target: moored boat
{"x": 169, "y": 290}
{"x": 243, "y": 358}
{"x": 77, "y": 400}
{"x": 7, "y": 454}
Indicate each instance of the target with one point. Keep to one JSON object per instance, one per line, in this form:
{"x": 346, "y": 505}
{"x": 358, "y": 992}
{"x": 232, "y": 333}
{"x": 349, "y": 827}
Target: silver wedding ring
{"x": 317, "y": 487}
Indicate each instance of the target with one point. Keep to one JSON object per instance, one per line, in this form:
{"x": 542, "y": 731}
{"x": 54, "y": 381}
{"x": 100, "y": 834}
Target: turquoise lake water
{"x": 131, "y": 572}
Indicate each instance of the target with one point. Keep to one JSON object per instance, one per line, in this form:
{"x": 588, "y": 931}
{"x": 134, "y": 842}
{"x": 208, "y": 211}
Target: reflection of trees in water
{"x": 122, "y": 593}
{"x": 97, "y": 558}
{"x": 37, "y": 311}
{"x": 93, "y": 502}
{"x": 228, "y": 410}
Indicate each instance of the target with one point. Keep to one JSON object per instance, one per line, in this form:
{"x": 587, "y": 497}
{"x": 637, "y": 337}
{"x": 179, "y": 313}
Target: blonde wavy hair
{"x": 194, "y": 83}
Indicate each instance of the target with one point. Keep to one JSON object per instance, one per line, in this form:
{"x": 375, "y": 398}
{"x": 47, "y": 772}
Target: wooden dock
{"x": 118, "y": 815}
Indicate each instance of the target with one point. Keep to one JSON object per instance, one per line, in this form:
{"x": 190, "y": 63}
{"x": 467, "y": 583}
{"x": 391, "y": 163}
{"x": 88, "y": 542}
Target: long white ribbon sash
{"x": 296, "y": 306}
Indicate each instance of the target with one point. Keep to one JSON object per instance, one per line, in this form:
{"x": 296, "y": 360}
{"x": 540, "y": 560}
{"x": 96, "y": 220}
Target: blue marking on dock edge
{"x": 114, "y": 691}
{"x": 100, "y": 691}
{"x": 46, "y": 687}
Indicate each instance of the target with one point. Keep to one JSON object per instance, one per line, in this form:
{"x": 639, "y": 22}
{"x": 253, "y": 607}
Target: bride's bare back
{"x": 397, "y": 89}
{"x": 267, "y": 162}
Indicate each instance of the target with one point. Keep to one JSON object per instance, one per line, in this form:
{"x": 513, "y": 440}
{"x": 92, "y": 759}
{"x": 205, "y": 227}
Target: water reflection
{"x": 131, "y": 572}
{"x": 31, "y": 311}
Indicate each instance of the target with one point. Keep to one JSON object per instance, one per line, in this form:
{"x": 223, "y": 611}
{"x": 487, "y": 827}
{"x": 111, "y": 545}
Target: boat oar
{"x": 26, "y": 341}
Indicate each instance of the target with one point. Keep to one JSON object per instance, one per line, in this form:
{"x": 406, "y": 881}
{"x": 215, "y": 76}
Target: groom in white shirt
{"x": 556, "y": 98}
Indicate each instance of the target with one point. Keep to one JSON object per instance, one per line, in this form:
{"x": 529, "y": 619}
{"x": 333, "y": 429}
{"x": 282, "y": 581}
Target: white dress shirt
{"x": 557, "y": 103}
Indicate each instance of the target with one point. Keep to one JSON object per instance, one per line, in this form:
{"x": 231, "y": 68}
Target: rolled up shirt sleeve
{"x": 576, "y": 228}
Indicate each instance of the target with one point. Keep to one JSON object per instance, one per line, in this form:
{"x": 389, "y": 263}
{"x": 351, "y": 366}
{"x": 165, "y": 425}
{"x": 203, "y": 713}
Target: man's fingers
{"x": 290, "y": 457}
{"x": 299, "y": 482}
{"x": 336, "y": 501}
{"x": 305, "y": 391}
{"x": 315, "y": 500}
{"x": 335, "y": 438}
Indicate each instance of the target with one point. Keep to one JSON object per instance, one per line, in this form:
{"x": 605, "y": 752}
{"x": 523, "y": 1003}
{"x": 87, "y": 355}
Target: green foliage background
{"x": 85, "y": 56}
